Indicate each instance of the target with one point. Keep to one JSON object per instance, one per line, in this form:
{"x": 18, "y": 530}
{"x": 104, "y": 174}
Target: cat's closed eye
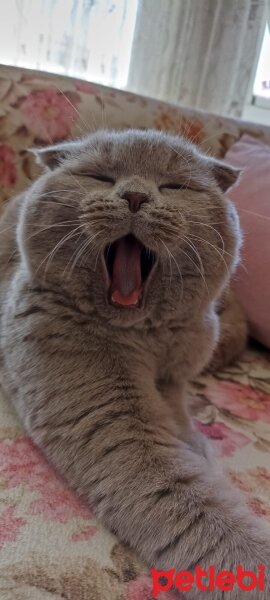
{"x": 173, "y": 186}
{"x": 102, "y": 178}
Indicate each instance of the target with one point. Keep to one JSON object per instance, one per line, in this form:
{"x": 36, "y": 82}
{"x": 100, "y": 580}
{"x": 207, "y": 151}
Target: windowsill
{"x": 256, "y": 114}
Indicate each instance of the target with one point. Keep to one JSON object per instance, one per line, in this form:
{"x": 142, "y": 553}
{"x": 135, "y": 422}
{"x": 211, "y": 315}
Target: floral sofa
{"x": 51, "y": 546}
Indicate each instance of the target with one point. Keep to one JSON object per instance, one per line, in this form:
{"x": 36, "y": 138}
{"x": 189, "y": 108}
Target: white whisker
{"x": 81, "y": 251}
{"x": 52, "y": 226}
{"x": 76, "y": 110}
{"x": 210, "y": 227}
{"x": 177, "y": 266}
{"x": 196, "y": 252}
{"x": 52, "y": 253}
{"x": 214, "y": 248}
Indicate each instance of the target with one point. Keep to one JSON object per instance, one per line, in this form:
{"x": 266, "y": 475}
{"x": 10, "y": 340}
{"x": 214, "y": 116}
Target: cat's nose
{"x": 135, "y": 200}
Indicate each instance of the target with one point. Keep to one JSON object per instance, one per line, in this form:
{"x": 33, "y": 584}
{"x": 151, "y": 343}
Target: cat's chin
{"x": 129, "y": 267}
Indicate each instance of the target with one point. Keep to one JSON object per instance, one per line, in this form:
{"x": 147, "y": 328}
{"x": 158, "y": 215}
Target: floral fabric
{"x": 51, "y": 546}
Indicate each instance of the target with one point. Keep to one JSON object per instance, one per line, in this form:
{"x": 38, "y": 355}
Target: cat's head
{"x": 134, "y": 223}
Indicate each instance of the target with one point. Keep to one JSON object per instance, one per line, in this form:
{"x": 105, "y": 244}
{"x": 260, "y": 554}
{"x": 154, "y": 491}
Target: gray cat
{"x": 112, "y": 264}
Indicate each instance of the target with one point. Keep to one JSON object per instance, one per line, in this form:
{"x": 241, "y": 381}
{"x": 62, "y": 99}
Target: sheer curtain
{"x": 197, "y": 53}
{"x": 90, "y": 39}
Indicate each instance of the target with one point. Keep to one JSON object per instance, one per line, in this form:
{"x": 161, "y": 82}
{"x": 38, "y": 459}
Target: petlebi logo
{"x": 209, "y": 581}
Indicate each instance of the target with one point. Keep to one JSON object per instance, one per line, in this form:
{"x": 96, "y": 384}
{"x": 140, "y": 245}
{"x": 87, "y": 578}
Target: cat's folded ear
{"x": 225, "y": 175}
{"x": 51, "y": 157}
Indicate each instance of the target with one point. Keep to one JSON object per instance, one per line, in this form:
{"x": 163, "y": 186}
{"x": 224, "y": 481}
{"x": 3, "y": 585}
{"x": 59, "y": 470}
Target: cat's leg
{"x": 109, "y": 433}
{"x": 191, "y": 349}
{"x": 175, "y": 394}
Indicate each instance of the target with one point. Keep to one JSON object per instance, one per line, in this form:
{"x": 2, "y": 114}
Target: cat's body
{"x": 97, "y": 348}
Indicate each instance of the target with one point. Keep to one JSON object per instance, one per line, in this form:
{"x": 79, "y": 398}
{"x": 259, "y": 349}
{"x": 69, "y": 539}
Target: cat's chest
{"x": 163, "y": 346}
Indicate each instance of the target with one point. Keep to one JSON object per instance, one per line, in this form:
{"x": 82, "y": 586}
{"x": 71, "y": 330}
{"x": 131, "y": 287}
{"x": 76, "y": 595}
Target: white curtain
{"x": 90, "y": 39}
{"x": 198, "y": 53}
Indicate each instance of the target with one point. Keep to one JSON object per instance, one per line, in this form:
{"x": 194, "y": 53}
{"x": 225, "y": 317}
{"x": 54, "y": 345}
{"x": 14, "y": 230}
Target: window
{"x": 258, "y": 109}
{"x": 89, "y": 39}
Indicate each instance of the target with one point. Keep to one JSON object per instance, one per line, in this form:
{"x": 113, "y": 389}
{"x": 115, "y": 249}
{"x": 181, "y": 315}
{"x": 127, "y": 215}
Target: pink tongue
{"x": 126, "y": 276}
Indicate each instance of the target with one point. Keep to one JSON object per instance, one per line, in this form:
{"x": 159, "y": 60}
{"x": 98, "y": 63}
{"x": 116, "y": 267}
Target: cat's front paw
{"x": 240, "y": 566}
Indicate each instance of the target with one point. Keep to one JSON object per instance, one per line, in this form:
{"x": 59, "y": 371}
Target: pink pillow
{"x": 252, "y": 199}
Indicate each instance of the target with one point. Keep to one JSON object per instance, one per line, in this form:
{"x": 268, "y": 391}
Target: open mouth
{"x": 129, "y": 265}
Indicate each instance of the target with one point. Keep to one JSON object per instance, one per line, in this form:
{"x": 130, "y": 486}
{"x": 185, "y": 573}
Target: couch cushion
{"x": 252, "y": 199}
